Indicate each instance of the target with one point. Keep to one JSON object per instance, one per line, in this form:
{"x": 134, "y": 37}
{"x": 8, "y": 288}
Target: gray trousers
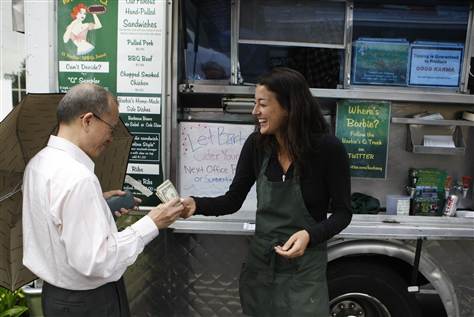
{"x": 109, "y": 300}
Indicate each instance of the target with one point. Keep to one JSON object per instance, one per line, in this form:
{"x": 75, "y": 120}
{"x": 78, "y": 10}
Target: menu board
{"x": 363, "y": 128}
{"x": 120, "y": 46}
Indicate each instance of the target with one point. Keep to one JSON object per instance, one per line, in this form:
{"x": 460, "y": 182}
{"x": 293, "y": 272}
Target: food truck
{"x": 394, "y": 79}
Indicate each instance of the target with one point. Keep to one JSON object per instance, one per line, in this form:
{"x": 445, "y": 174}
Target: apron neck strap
{"x": 266, "y": 159}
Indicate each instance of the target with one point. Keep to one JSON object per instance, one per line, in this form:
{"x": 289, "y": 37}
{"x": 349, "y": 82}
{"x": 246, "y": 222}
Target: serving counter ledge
{"x": 362, "y": 226}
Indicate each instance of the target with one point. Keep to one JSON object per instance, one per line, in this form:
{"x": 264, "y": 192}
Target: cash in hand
{"x": 166, "y": 191}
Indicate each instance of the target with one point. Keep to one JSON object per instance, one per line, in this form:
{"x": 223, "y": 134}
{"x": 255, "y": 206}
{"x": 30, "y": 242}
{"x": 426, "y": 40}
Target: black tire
{"x": 369, "y": 290}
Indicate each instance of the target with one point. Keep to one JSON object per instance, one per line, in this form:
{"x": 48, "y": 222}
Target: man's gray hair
{"x": 81, "y": 99}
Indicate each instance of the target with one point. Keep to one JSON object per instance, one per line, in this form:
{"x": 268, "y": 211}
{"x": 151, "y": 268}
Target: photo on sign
{"x": 380, "y": 62}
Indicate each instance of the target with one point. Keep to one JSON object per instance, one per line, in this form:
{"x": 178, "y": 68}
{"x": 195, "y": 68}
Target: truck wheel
{"x": 368, "y": 290}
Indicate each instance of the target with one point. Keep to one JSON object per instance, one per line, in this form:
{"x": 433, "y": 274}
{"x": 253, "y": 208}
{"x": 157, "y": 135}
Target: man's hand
{"x": 189, "y": 207}
{"x": 165, "y": 214}
{"x": 122, "y": 211}
{"x": 295, "y": 246}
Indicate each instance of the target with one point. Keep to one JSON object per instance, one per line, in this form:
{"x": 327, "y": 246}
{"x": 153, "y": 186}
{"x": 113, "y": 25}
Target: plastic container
{"x": 398, "y": 205}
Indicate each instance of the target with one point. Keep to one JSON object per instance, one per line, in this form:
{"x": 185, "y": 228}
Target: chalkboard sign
{"x": 363, "y": 128}
{"x": 208, "y": 158}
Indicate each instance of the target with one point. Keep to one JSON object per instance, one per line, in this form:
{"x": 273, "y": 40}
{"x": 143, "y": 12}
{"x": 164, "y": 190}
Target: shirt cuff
{"x": 146, "y": 228}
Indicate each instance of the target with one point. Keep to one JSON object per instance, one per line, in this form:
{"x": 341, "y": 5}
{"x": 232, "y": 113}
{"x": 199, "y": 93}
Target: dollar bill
{"x": 166, "y": 191}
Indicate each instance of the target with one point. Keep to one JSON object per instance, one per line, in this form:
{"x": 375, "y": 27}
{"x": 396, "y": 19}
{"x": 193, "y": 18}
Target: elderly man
{"x": 70, "y": 239}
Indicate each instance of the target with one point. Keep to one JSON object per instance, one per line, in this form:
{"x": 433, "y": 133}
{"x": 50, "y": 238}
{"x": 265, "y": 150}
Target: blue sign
{"x": 435, "y": 64}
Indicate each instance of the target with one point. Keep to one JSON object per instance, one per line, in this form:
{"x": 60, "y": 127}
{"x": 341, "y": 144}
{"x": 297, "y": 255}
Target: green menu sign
{"x": 120, "y": 45}
{"x": 87, "y": 45}
{"x": 363, "y": 128}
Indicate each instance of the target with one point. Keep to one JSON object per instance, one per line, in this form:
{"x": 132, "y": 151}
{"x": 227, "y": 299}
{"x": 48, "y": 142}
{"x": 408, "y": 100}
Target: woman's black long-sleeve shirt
{"x": 325, "y": 185}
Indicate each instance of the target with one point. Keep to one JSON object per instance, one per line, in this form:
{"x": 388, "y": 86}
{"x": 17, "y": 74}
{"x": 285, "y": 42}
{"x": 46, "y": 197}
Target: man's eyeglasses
{"x": 112, "y": 128}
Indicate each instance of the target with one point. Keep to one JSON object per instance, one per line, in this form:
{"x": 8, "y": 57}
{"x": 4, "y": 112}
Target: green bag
{"x": 364, "y": 204}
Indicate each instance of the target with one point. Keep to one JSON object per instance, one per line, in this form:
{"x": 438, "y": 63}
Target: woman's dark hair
{"x": 81, "y": 99}
{"x": 306, "y": 123}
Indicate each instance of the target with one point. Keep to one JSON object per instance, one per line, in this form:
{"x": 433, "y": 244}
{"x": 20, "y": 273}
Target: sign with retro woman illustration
{"x": 87, "y": 45}
{"x": 120, "y": 45}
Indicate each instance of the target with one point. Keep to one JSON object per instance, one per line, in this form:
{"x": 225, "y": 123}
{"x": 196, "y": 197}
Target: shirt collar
{"x": 71, "y": 149}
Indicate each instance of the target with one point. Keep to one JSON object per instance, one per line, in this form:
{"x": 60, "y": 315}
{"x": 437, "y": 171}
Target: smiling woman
{"x": 269, "y": 113}
{"x": 300, "y": 170}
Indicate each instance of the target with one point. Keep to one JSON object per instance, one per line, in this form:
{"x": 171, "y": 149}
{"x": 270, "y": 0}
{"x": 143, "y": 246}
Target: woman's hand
{"x": 123, "y": 211}
{"x": 295, "y": 246}
{"x": 189, "y": 207}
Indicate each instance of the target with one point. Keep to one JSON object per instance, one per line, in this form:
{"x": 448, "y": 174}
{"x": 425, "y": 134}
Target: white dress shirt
{"x": 70, "y": 239}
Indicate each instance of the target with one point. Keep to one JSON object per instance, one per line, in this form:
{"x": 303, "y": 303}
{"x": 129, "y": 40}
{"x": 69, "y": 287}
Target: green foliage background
{"x": 12, "y": 304}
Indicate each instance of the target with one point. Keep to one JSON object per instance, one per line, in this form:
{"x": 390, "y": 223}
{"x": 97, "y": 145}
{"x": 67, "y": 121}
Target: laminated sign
{"x": 119, "y": 45}
{"x": 435, "y": 64}
{"x": 380, "y": 62}
{"x": 363, "y": 128}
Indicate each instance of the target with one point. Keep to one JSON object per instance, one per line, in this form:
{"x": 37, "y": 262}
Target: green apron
{"x": 269, "y": 284}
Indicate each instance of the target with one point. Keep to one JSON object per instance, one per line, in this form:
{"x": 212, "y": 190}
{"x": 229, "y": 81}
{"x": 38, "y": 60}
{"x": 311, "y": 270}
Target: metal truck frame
{"x": 375, "y": 265}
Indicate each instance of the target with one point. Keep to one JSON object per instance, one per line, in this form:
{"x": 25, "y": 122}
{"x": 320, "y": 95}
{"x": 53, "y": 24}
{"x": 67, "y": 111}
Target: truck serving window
{"x": 304, "y": 35}
{"x": 396, "y": 43}
{"x": 206, "y": 29}
{"x": 300, "y": 22}
{"x": 321, "y": 67}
